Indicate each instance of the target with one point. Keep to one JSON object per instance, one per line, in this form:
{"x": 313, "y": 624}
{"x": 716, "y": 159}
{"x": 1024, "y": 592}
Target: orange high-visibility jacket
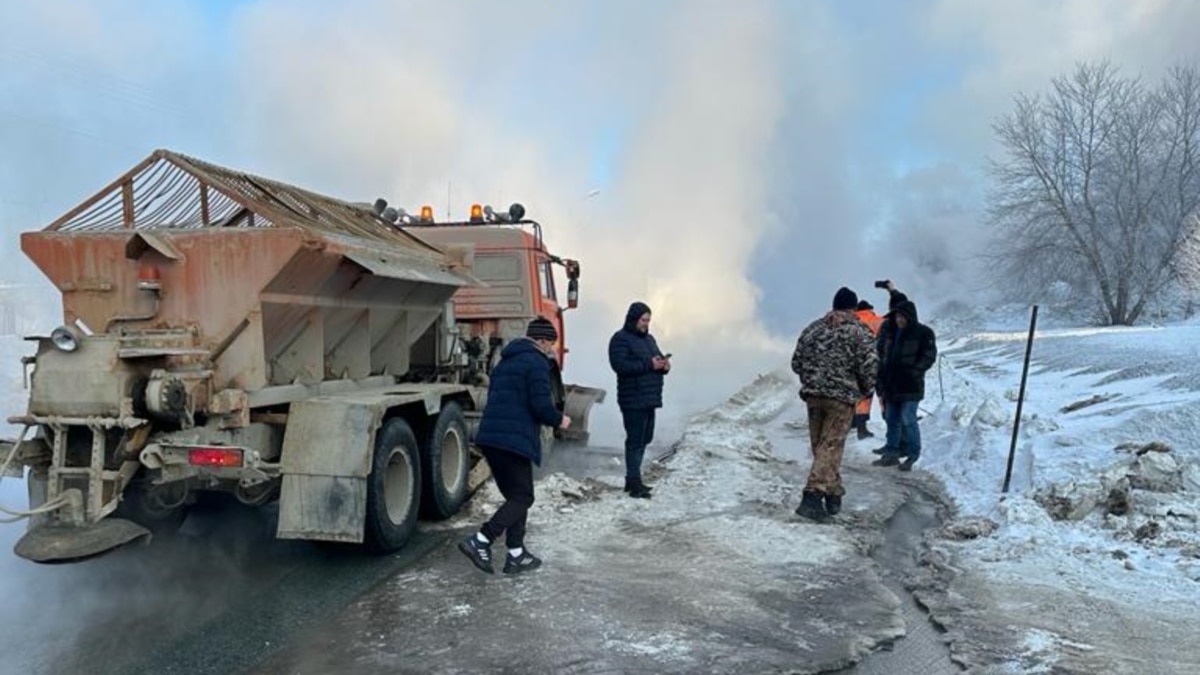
{"x": 873, "y": 322}
{"x": 869, "y": 317}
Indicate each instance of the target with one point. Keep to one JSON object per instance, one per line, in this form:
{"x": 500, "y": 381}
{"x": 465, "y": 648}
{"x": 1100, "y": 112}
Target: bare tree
{"x": 1098, "y": 185}
{"x": 1187, "y": 258}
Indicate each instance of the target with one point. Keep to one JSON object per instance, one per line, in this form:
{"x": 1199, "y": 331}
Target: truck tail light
{"x": 215, "y": 457}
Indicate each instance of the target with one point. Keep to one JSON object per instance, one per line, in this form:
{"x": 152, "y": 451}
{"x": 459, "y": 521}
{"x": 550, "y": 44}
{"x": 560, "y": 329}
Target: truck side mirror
{"x": 572, "y": 293}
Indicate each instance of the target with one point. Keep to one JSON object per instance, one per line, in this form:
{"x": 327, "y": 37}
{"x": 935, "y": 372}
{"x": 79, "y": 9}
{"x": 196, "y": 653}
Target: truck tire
{"x": 445, "y": 461}
{"x": 393, "y": 488}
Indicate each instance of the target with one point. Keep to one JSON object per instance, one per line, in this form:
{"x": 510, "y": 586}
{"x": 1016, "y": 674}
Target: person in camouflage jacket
{"x": 837, "y": 363}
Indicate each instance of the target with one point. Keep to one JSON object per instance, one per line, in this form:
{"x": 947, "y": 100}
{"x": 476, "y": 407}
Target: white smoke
{"x": 364, "y": 105}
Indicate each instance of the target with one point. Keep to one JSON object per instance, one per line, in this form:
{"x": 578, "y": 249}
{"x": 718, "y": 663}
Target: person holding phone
{"x": 882, "y": 337}
{"x": 641, "y": 368}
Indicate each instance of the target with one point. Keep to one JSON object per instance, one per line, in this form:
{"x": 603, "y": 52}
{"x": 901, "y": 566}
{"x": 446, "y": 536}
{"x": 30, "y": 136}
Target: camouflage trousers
{"x": 828, "y": 424}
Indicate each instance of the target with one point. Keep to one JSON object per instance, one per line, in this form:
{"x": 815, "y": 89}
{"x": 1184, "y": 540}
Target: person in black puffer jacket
{"x": 640, "y": 367}
{"x": 882, "y": 337}
{"x": 908, "y": 352}
{"x": 518, "y": 405}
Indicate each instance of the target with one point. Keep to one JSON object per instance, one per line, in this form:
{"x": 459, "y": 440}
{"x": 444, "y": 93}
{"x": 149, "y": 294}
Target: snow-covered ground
{"x": 1095, "y": 563}
{"x": 1090, "y": 563}
{"x": 714, "y": 574}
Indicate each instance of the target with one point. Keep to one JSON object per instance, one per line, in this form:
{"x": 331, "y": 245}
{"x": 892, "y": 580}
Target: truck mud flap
{"x": 326, "y": 459}
{"x": 580, "y": 400}
{"x": 68, "y": 543}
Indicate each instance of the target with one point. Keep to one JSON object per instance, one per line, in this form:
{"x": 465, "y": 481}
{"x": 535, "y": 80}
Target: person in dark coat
{"x": 909, "y": 352}
{"x": 518, "y": 405}
{"x": 640, "y": 367}
{"x": 885, "y": 332}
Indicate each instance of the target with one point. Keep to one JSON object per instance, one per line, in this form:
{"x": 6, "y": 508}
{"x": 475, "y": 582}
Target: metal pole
{"x": 1012, "y": 449}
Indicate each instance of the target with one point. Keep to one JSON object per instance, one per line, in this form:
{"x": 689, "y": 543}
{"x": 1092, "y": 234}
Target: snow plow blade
{"x": 67, "y": 543}
{"x": 578, "y": 404}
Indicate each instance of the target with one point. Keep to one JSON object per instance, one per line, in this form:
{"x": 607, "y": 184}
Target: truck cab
{"x": 508, "y": 255}
{"x": 517, "y": 274}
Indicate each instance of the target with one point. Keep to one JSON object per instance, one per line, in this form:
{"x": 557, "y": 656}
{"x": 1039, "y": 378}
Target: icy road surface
{"x": 714, "y": 574}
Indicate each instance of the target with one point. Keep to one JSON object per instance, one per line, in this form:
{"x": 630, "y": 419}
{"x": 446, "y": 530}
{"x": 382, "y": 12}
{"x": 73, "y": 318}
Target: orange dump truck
{"x": 226, "y": 332}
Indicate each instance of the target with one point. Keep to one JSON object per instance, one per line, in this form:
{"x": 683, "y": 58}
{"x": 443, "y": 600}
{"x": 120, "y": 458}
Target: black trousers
{"x": 514, "y": 477}
{"x": 639, "y": 431}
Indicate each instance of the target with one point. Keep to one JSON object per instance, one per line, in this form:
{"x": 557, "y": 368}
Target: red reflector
{"x": 214, "y": 457}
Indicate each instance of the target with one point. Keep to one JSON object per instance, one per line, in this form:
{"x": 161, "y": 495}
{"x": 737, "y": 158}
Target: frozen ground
{"x": 715, "y": 574}
{"x": 1090, "y": 564}
{"x": 1095, "y": 562}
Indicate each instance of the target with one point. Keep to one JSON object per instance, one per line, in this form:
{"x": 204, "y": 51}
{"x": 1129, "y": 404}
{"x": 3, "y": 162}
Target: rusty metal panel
{"x": 82, "y": 383}
{"x": 328, "y": 449}
{"x": 388, "y": 354}
{"x": 324, "y": 508}
{"x": 482, "y": 237}
{"x": 347, "y": 344}
{"x": 302, "y": 357}
{"x": 327, "y": 454}
{"x": 394, "y": 267}
{"x": 145, "y": 239}
{"x": 429, "y": 395}
{"x": 240, "y": 365}
{"x": 290, "y": 393}
{"x": 330, "y": 436}
{"x": 216, "y": 282}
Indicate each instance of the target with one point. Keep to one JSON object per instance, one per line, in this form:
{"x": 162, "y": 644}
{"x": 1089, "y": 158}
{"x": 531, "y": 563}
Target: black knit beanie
{"x": 845, "y": 299}
{"x": 541, "y": 329}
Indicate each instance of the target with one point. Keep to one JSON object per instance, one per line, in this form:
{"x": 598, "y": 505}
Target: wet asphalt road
{"x": 226, "y": 597}
{"x": 216, "y": 598}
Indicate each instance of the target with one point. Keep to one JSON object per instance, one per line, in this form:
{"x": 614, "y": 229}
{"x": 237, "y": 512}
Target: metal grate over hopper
{"x": 169, "y": 190}
{"x": 274, "y": 283}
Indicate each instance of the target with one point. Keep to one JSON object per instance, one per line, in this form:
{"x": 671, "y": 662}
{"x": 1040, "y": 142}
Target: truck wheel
{"x": 393, "y": 488}
{"x": 445, "y": 461}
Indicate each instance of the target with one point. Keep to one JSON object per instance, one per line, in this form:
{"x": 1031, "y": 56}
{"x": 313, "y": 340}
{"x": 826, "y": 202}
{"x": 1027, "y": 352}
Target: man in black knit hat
{"x": 836, "y": 361}
{"x": 519, "y": 403}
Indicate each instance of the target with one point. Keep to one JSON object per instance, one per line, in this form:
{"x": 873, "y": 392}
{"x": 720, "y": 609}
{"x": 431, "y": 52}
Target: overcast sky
{"x": 750, "y": 156}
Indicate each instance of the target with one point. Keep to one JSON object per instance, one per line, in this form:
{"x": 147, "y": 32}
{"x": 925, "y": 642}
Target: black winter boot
{"x": 811, "y": 507}
{"x": 864, "y": 432}
{"x": 637, "y": 489}
{"x": 833, "y": 505}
